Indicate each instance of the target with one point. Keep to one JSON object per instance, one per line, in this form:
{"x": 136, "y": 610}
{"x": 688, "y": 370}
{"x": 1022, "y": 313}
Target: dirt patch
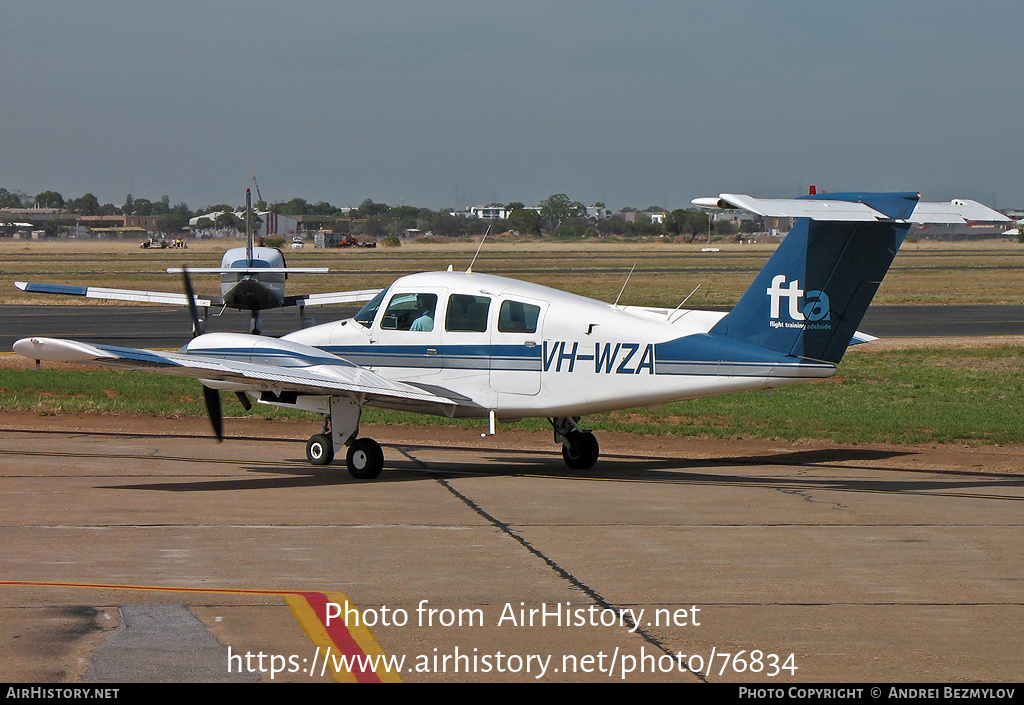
{"x": 975, "y": 458}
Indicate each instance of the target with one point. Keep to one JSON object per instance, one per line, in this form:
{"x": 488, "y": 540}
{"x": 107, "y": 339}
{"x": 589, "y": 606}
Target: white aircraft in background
{"x": 251, "y": 279}
{"x": 465, "y": 344}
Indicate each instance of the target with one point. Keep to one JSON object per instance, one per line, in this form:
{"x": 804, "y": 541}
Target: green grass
{"x": 937, "y": 395}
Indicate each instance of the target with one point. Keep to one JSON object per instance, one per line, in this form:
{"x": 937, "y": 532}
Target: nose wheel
{"x": 320, "y": 450}
{"x": 580, "y": 450}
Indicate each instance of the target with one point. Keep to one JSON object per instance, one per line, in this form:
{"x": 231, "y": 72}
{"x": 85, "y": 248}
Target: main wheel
{"x": 320, "y": 450}
{"x": 365, "y": 459}
{"x": 581, "y": 450}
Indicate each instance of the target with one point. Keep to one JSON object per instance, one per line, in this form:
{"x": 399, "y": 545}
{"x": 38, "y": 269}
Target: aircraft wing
{"x": 332, "y": 297}
{"x": 303, "y": 370}
{"x": 957, "y": 211}
{"x": 95, "y": 292}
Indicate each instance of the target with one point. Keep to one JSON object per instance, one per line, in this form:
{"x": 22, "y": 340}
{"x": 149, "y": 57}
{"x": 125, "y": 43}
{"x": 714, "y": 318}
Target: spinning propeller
{"x": 210, "y": 396}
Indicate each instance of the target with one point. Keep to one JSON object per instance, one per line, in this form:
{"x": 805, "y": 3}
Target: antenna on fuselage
{"x": 469, "y": 270}
{"x": 258, "y": 194}
{"x": 685, "y": 300}
{"x": 624, "y": 285}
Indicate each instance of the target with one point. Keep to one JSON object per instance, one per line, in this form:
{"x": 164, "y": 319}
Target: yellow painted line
{"x": 367, "y": 641}
{"x": 333, "y": 643}
{"x": 316, "y": 632}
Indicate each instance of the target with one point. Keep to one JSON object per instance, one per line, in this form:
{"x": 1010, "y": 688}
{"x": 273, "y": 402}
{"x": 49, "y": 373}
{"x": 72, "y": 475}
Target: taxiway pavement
{"x": 136, "y": 552}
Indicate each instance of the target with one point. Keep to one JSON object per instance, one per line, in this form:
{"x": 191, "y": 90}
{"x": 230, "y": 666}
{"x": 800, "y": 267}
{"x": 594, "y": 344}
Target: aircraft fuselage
{"x": 523, "y": 350}
{"x": 248, "y": 290}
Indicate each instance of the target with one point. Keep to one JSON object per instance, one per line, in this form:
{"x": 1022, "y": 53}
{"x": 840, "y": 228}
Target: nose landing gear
{"x": 580, "y": 449}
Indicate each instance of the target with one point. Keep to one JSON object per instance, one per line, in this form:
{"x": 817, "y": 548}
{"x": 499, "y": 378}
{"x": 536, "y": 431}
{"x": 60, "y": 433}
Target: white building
{"x": 270, "y": 224}
{"x": 489, "y": 212}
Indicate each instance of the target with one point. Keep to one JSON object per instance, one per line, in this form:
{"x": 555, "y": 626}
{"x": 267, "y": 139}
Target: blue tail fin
{"x": 811, "y": 296}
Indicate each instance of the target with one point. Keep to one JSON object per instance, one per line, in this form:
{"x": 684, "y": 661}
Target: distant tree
{"x": 86, "y": 205}
{"x": 171, "y": 222}
{"x": 675, "y": 222}
{"x": 525, "y": 221}
{"x": 374, "y": 227}
{"x": 221, "y": 208}
{"x": 323, "y": 208}
{"x": 725, "y": 227}
{"x": 49, "y": 199}
{"x": 11, "y": 199}
{"x": 555, "y": 209}
{"x": 369, "y": 209}
{"x": 447, "y": 225}
{"x": 697, "y": 223}
{"x": 229, "y": 220}
{"x": 296, "y": 206}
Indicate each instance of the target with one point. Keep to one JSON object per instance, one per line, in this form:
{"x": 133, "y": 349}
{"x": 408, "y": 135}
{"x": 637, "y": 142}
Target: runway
{"x": 144, "y": 550}
{"x": 171, "y": 327}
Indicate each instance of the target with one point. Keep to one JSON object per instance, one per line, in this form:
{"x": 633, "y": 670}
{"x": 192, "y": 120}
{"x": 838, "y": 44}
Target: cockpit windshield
{"x": 369, "y": 311}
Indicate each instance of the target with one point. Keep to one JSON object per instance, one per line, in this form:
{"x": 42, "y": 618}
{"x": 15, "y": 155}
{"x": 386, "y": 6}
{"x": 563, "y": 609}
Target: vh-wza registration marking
{"x": 608, "y": 358}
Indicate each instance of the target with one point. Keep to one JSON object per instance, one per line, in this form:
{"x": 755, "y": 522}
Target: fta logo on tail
{"x": 815, "y": 303}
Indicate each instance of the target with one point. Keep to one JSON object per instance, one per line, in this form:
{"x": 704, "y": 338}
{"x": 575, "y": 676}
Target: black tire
{"x": 320, "y": 450}
{"x": 365, "y": 459}
{"x": 581, "y": 450}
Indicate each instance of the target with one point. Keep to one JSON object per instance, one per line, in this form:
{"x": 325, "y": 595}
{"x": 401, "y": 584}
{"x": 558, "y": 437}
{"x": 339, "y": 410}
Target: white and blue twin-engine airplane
{"x": 251, "y": 279}
{"x": 465, "y": 344}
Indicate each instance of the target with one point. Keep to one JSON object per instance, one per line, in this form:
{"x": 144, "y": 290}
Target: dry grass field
{"x": 934, "y": 391}
{"x": 925, "y": 272}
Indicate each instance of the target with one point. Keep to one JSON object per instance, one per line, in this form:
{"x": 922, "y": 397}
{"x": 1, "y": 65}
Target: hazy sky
{"x": 457, "y": 102}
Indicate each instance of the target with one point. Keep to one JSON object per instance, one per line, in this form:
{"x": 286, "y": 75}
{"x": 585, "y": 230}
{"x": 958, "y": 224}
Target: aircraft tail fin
{"x": 813, "y": 292}
{"x": 249, "y": 237}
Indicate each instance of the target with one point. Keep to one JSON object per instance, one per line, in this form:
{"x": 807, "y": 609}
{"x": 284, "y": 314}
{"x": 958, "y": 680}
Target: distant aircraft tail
{"x": 249, "y": 236}
{"x": 812, "y": 294}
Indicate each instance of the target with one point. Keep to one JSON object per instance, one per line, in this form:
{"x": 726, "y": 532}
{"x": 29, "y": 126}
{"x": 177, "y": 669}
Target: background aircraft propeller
{"x": 210, "y": 396}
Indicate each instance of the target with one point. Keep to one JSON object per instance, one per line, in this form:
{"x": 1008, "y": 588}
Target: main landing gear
{"x": 365, "y": 459}
{"x": 580, "y": 448}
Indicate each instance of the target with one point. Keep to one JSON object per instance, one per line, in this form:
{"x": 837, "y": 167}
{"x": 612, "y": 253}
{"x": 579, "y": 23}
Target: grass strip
{"x": 934, "y": 395}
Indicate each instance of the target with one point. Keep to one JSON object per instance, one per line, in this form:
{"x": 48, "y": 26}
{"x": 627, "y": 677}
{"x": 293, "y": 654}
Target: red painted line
{"x": 340, "y": 635}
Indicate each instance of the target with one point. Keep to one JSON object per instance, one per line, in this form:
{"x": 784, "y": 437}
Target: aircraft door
{"x": 517, "y": 345}
{"x": 405, "y": 338}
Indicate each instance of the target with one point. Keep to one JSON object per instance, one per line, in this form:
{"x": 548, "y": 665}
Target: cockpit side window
{"x": 467, "y": 314}
{"x": 413, "y": 312}
{"x": 368, "y": 312}
{"x": 518, "y": 317}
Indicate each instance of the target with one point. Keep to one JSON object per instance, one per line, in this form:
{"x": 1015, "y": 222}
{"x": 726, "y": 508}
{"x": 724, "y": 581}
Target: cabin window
{"x": 368, "y": 312}
{"x": 517, "y": 317}
{"x": 413, "y": 312}
{"x": 467, "y": 314}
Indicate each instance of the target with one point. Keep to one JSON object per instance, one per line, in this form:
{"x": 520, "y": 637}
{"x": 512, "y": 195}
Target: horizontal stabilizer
{"x": 855, "y": 208}
{"x": 95, "y": 292}
{"x": 332, "y": 297}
